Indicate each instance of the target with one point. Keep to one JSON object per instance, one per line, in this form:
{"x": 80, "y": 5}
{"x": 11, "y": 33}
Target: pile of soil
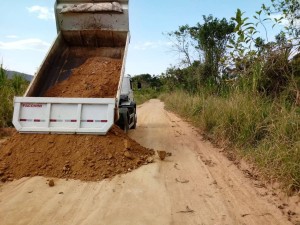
{"x": 97, "y": 77}
{"x": 83, "y": 157}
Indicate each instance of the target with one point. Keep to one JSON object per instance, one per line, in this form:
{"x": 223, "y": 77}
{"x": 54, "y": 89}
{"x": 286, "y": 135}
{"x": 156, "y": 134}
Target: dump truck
{"x": 85, "y": 28}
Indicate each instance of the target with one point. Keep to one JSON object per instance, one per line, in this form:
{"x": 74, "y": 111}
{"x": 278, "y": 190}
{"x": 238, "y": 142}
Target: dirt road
{"x": 196, "y": 185}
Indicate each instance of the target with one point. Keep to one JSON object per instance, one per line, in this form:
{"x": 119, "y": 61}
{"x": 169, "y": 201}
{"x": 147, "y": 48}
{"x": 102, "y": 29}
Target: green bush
{"x": 8, "y": 89}
{"x": 145, "y": 94}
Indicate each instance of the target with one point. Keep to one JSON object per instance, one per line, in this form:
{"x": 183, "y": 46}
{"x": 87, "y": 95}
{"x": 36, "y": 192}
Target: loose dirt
{"x": 84, "y": 157}
{"x": 88, "y": 158}
{"x": 98, "y": 77}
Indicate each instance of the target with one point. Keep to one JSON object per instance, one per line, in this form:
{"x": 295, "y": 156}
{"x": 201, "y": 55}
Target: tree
{"x": 287, "y": 10}
{"x": 209, "y": 40}
{"x": 212, "y": 37}
{"x": 182, "y": 43}
{"x": 146, "y": 80}
{"x": 183, "y": 78}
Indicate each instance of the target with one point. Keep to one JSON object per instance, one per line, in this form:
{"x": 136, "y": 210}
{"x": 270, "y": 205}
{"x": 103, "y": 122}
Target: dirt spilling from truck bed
{"x": 98, "y": 77}
{"x": 83, "y": 157}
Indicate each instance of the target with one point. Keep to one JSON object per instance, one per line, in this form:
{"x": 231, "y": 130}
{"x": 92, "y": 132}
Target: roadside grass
{"x": 263, "y": 131}
{"x": 8, "y": 89}
{"x": 6, "y": 108}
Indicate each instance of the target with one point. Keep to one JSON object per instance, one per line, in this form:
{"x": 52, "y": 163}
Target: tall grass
{"x": 263, "y": 130}
{"x": 8, "y": 89}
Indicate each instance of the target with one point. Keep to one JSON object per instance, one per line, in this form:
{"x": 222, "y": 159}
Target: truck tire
{"x": 134, "y": 120}
{"x": 124, "y": 123}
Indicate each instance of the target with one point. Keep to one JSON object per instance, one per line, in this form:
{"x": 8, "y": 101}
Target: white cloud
{"x": 12, "y": 36}
{"x": 43, "y": 13}
{"x": 151, "y": 45}
{"x": 284, "y": 21}
{"x": 26, "y": 44}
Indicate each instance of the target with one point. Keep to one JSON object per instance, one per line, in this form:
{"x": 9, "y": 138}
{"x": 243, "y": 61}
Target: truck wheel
{"x": 125, "y": 123}
{"x": 134, "y": 120}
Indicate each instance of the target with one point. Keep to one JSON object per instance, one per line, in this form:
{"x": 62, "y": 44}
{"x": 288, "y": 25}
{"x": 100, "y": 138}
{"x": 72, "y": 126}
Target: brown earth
{"x": 98, "y": 77}
{"x": 84, "y": 157}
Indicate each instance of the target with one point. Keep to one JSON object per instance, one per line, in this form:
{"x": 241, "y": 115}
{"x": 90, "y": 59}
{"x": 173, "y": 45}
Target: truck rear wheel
{"x": 123, "y": 122}
{"x": 134, "y": 120}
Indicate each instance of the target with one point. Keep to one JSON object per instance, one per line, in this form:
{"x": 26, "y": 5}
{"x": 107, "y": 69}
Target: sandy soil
{"x": 196, "y": 185}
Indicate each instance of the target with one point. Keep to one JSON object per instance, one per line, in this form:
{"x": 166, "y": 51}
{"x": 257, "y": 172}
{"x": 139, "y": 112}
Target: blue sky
{"x": 28, "y": 30}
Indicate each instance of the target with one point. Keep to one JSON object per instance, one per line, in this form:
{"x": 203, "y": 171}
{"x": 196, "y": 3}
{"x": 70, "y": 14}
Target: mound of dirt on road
{"x": 97, "y": 77}
{"x": 84, "y": 157}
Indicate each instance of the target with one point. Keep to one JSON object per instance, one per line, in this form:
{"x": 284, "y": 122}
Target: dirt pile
{"x": 84, "y": 157}
{"x": 97, "y": 77}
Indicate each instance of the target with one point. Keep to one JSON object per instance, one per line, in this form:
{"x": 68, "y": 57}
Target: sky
{"x": 28, "y": 30}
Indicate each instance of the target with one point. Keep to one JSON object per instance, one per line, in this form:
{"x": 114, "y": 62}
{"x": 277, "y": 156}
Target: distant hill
{"x": 11, "y": 73}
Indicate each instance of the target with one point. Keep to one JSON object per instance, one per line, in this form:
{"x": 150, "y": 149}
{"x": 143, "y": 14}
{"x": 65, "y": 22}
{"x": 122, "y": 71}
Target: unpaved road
{"x": 196, "y": 185}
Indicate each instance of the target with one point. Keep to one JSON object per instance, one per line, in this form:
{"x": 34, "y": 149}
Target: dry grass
{"x": 266, "y": 132}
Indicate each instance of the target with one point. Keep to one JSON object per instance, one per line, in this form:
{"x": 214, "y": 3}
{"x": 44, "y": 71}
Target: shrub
{"x": 8, "y": 89}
